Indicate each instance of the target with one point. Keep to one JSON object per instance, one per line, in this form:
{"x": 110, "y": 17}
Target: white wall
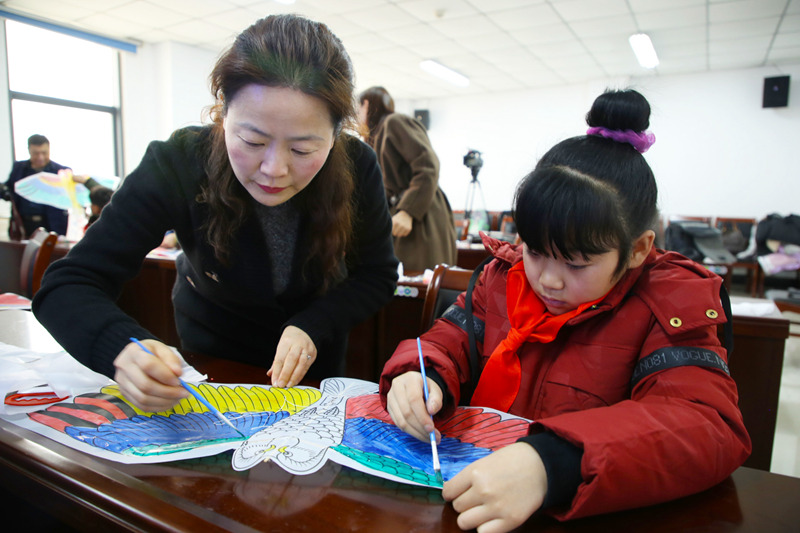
{"x": 6, "y": 140}
{"x": 718, "y": 152}
{"x": 164, "y": 87}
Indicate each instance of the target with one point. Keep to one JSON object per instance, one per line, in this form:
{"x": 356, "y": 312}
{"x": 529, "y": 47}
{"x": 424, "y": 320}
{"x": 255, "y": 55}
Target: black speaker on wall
{"x": 776, "y": 91}
{"x": 423, "y": 116}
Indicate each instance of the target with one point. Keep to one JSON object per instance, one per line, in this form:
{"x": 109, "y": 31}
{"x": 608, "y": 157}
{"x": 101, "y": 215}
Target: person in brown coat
{"x": 422, "y": 220}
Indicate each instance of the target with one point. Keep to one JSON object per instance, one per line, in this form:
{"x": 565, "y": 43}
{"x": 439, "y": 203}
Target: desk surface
{"x": 207, "y": 495}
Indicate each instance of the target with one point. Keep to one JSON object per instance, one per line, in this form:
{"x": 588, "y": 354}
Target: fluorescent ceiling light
{"x": 287, "y": 2}
{"x": 643, "y": 48}
{"x": 441, "y": 71}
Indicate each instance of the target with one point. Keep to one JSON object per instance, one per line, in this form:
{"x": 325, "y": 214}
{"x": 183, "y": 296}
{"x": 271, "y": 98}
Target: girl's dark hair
{"x": 293, "y": 52}
{"x": 589, "y": 194}
{"x": 380, "y": 105}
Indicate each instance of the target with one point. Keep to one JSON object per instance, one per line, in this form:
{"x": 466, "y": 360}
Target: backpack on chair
{"x": 698, "y": 241}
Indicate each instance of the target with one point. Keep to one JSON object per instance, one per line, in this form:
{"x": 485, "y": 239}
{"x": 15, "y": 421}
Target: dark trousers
{"x": 51, "y": 220}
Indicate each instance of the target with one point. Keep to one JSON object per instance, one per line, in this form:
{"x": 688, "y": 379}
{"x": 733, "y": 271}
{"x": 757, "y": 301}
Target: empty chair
{"x": 35, "y": 260}
{"x": 443, "y": 289}
{"x": 736, "y": 236}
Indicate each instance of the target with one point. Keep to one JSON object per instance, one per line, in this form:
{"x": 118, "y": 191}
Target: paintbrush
{"x": 195, "y": 393}
{"x": 437, "y": 469}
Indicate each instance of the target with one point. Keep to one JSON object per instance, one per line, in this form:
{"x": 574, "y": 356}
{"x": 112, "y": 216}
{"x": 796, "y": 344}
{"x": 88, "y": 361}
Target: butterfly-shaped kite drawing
{"x": 59, "y": 190}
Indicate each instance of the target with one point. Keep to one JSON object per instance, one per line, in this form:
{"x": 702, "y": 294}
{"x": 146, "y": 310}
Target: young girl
{"x": 609, "y": 345}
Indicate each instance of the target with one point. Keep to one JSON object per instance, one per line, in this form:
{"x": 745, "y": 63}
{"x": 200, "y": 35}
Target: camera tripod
{"x": 474, "y": 188}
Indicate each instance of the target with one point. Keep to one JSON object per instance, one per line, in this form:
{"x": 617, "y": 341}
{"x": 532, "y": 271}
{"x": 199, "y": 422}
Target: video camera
{"x": 5, "y": 192}
{"x": 474, "y": 162}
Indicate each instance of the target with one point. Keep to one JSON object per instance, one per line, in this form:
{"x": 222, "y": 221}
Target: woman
{"x": 422, "y": 221}
{"x": 280, "y": 214}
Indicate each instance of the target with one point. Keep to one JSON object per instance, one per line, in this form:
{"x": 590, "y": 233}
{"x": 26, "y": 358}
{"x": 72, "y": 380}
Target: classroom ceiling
{"x": 501, "y": 45}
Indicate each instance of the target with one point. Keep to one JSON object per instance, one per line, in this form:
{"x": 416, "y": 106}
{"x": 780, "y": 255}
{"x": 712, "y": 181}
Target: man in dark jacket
{"x": 35, "y": 215}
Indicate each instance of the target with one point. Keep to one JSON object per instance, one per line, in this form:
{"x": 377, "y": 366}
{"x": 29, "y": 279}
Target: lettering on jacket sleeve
{"x": 458, "y": 316}
{"x": 675, "y": 356}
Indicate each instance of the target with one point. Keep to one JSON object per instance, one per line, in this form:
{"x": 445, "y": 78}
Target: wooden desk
{"x": 93, "y": 494}
{"x": 10, "y": 262}
{"x": 470, "y": 255}
{"x": 756, "y": 364}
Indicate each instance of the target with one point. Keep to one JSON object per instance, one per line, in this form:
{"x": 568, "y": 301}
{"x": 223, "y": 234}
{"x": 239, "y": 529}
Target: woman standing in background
{"x": 422, "y": 220}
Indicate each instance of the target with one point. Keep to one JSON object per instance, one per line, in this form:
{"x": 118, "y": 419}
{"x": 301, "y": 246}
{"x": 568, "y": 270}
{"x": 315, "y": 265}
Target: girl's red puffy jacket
{"x": 649, "y": 433}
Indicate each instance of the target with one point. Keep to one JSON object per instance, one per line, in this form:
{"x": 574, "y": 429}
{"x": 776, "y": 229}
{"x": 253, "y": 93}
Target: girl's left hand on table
{"x": 500, "y": 491}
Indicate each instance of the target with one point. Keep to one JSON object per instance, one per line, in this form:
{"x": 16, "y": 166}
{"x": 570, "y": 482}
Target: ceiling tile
{"x": 428, "y": 11}
{"x": 94, "y": 5}
{"x": 439, "y": 48}
{"x": 491, "y": 6}
{"x": 343, "y": 26}
{"x": 50, "y": 9}
{"x": 499, "y": 83}
{"x": 689, "y": 64}
{"x": 784, "y": 55}
{"x": 234, "y": 19}
{"x": 787, "y": 40}
{"x": 790, "y": 23}
{"x": 546, "y": 34}
{"x": 670, "y": 37}
{"x": 671, "y": 18}
{"x": 199, "y": 30}
{"x": 371, "y": 42}
{"x": 681, "y": 51}
{"x": 560, "y": 50}
{"x": 741, "y": 29}
{"x": 500, "y": 43}
{"x": 645, "y": 6}
{"x": 729, "y": 61}
{"x": 384, "y": 17}
{"x": 416, "y": 34}
{"x": 611, "y": 44}
{"x": 745, "y": 10}
{"x": 338, "y": 6}
{"x": 507, "y": 58}
{"x": 527, "y": 17}
{"x": 619, "y": 25}
{"x": 145, "y": 13}
{"x": 576, "y": 10}
{"x": 464, "y": 27}
{"x": 196, "y": 8}
{"x": 108, "y": 25}
{"x": 750, "y": 45}
{"x": 490, "y": 41}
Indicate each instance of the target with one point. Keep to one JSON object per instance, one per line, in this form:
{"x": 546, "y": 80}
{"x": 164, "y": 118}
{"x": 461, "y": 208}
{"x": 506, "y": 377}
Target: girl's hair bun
{"x": 620, "y": 110}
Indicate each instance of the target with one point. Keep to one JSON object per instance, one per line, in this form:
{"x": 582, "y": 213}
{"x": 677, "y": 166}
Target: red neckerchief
{"x": 530, "y": 322}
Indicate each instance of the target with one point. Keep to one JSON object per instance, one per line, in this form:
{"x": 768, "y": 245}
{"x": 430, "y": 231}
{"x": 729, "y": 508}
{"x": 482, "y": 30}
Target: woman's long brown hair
{"x": 294, "y": 52}
{"x": 380, "y": 105}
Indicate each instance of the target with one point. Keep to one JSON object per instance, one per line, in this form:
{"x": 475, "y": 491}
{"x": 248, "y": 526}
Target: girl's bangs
{"x": 568, "y": 213}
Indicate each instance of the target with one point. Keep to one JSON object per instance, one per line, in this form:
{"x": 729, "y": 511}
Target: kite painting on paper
{"x": 59, "y": 190}
{"x": 298, "y": 428}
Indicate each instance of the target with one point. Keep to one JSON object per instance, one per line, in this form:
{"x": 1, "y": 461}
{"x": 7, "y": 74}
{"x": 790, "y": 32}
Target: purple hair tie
{"x": 642, "y": 141}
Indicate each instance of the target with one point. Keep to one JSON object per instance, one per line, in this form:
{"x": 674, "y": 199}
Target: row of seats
{"x": 737, "y": 235}
{"x": 497, "y": 221}
{"x": 24, "y": 262}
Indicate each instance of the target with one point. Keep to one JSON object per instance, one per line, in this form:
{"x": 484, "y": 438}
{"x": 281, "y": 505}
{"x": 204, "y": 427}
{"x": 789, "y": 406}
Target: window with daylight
{"x": 67, "y": 89}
